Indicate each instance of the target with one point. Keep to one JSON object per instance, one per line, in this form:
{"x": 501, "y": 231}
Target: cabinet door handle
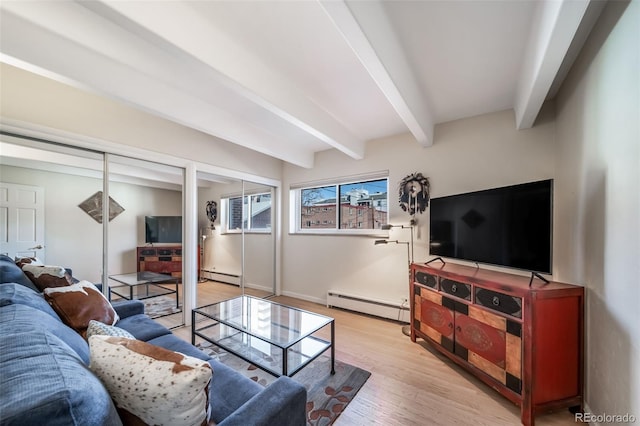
{"x": 450, "y": 325}
{"x": 458, "y": 328}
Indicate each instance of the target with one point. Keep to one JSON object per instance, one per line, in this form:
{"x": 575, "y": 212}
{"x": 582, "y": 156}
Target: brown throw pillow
{"x": 79, "y": 303}
{"x": 47, "y": 276}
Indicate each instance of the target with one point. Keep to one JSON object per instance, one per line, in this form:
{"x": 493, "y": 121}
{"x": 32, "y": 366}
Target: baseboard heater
{"x": 394, "y": 311}
{"x": 223, "y": 277}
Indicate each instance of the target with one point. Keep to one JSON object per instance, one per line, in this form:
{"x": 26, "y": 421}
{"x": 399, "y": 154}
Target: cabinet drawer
{"x": 510, "y": 305}
{"x": 427, "y": 280}
{"x": 455, "y": 288}
{"x": 170, "y": 252}
{"x": 147, "y": 252}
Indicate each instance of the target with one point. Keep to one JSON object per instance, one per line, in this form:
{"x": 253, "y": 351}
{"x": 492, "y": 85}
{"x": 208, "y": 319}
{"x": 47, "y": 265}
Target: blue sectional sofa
{"x": 45, "y": 379}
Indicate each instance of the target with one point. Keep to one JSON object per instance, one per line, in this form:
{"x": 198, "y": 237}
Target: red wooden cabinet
{"x": 160, "y": 259}
{"x": 524, "y": 341}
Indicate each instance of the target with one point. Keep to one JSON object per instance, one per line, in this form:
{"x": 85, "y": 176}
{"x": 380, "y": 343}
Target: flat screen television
{"x": 510, "y": 226}
{"x": 163, "y": 229}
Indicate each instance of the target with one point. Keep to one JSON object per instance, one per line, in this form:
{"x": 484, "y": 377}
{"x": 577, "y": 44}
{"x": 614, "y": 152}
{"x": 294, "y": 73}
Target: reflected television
{"x": 163, "y": 229}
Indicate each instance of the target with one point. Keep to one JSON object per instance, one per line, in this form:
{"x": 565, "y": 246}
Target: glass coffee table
{"x": 276, "y": 338}
{"x": 143, "y": 285}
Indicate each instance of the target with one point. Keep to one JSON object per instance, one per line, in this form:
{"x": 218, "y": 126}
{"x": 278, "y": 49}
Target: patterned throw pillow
{"x": 96, "y": 328}
{"x": 156, "y": 385}
{"x": 47, "y": 276}
{"x": 79, "y": 303}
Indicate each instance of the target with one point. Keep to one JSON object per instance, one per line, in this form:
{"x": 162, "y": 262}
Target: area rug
{"x": 161, "y": 306}
{"x": 327, "y": 395}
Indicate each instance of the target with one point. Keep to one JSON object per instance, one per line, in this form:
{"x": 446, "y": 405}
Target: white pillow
{"x": 156, "y": 385}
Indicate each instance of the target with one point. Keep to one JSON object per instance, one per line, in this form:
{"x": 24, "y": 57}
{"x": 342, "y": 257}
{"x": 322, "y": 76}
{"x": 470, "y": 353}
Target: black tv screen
{"x": 509, "y": 226}
{"x": 163, "y": 229}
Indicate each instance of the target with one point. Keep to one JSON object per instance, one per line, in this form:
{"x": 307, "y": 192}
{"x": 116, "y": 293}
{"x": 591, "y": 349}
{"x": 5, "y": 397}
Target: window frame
{"x": 225, "y": 204}
{"x": 295, "y": 206}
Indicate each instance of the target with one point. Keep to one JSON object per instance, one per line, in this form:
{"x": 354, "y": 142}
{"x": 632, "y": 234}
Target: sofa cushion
{"x": 16, "y": 294}
{"x": 127, "y": 308}
{"x": 97, "y": 328}
{"x": 11, "y": 273}
{"x": 47, "y": 276}
{"x": 79, "y": 303}
{"x": 44, "y": 382}
{"x": 156, "y": 385}
{"x": 142, "y": 327}
{"x": 25, "y": 319}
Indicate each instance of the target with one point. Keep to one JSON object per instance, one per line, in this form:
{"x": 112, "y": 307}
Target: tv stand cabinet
{"x": 160, "y": 259}
{"x": 524, "y": 341}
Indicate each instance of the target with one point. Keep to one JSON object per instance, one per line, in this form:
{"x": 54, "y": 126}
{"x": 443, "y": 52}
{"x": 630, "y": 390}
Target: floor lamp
{"x": 406, "y": 330}
{"x": 387, "y": 226}
{"x": 201, "y": 278}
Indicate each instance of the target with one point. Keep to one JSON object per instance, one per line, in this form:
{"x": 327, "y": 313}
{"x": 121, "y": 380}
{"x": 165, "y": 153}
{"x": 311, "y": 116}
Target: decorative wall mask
{"x": 413, "y": 193}
{"x": 93, "y": 207}
{"x": 212, "y": 212}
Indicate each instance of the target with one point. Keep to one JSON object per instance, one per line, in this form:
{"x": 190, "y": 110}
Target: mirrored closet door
{"x": 145, "y": 243}
{"x": 52, "y": 199}
{"x": 259, "y": 226}
{"x": 143, "y": 235}
{"x": 54, "y": 204}
{"x": 237, "y": 244}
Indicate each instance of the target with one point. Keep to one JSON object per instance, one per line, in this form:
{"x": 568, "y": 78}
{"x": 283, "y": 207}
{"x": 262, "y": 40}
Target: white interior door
{"x": 22, "y": 220}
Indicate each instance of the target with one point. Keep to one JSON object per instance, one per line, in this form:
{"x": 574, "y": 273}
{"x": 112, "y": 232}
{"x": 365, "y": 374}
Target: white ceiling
{"x": 291, "y": 78}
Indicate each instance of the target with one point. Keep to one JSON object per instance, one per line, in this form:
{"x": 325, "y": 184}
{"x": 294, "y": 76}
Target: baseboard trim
{"x": 305, "y": 297}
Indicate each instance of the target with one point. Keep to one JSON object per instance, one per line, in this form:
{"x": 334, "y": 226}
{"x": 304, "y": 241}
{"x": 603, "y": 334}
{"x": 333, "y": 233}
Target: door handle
{"x": 38, "y": 247}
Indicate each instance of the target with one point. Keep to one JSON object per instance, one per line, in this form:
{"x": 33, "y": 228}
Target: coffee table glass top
{"x": 144, "y": 285}
{"x": 277, "y": 324}
{"x": 144, "y": 277}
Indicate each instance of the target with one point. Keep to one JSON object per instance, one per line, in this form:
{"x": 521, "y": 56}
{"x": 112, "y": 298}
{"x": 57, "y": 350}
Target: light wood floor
{"x": 409, "y": 384}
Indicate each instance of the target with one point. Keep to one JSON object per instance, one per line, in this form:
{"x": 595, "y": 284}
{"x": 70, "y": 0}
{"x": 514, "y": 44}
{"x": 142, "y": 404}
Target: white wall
{"x": 598, "y": 122}
{"x": 476, "y": 153}
{"x": 73, "y": 239}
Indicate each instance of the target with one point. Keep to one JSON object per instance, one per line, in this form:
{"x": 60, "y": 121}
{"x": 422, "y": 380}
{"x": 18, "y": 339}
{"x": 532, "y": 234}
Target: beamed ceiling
{"x": 291, "y": 78}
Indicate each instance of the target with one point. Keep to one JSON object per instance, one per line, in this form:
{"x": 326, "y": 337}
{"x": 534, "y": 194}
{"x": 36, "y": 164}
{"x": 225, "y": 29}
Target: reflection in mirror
{"x": 259, "y": 238}
{"x": 221, "y": 272}
{"x": 145, "y": 242}
{"x": 55, "y": 180}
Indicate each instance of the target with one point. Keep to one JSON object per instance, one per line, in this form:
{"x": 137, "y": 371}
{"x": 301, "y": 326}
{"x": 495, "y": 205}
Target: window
{"x": 352, "y": 205}
{"x": 254, "y": 212}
